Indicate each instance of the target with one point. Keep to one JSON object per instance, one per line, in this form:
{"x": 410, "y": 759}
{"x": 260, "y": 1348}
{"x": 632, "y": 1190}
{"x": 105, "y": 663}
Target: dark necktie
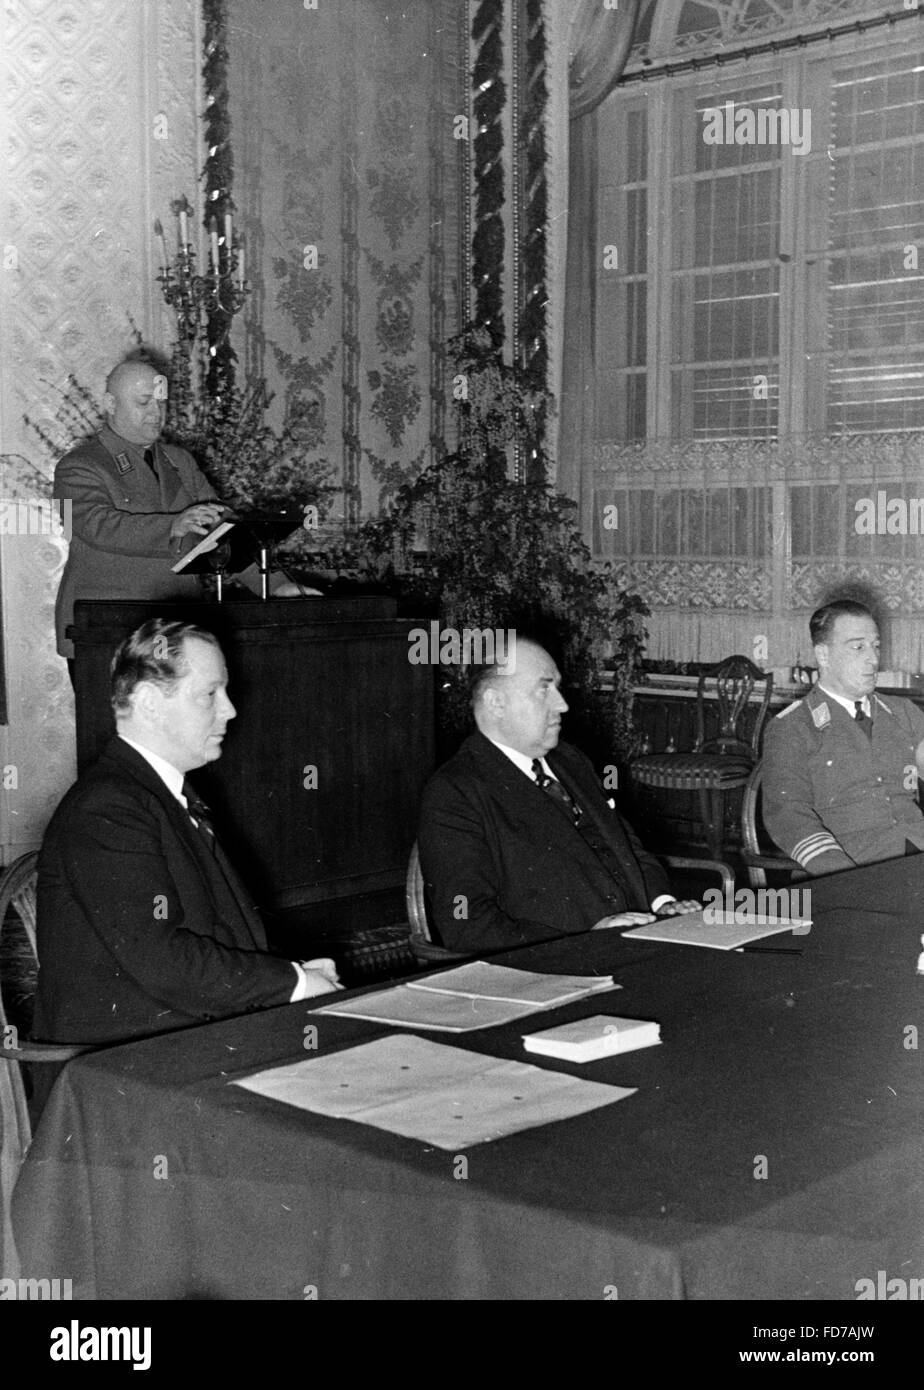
{"x": 553, "y": 788}
{"x": 150, "y": 459}
{"x": 201, "y": 819}
{"x": 200, "y": 815}
{"x": 864, "y": 721}
{"x": 618, "y": 896}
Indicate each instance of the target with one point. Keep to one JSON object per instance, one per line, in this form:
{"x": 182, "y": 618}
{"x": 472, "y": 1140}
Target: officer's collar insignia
{"x": 821, "y": 715}
{"x": 124, "y": 463}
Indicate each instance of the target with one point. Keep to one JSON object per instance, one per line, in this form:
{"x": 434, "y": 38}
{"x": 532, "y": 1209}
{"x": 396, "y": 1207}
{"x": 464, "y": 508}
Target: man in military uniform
{"x": 841, "y": 765}
{"x": 138, "y": 504}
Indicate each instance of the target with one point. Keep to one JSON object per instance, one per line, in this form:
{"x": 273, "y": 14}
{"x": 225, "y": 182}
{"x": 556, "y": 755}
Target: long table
{"x": 774, "y": 1149}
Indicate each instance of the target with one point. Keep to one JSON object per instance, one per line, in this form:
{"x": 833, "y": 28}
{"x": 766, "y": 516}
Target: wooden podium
{"x": 317, "y": 791}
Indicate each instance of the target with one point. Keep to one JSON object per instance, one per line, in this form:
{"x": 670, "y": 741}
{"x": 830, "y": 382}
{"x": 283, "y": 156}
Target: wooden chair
{"x": 758, "y": 851}
{"x": 425, "y": 949}
{"x": 717, "y": 765}
{"x": 18, "y": 975}
{"x": 725, "y": 872}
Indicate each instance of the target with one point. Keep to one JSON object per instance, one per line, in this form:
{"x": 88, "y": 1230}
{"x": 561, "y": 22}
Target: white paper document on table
{"x": 721, "y": 930}
{"x": 479, "y": 980}
{"x": 424, "y": 1090}
{"x": 478, "y": 995}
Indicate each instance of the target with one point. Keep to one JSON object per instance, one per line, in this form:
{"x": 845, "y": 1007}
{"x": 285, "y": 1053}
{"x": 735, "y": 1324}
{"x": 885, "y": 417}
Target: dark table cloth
{"x": 775, "y": 1147}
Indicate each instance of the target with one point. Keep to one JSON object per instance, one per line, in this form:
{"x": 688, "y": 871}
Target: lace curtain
{"x": 743, "y": 398}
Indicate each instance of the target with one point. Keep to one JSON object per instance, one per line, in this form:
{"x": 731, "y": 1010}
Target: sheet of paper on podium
{"x": 190, "y": 563}
{"x": 424, "y": 1090}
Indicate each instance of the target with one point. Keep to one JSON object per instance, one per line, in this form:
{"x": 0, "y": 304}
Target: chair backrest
{"x": 758, "y": 849}
{"x": 415, "y": 899}
{"x": 735, "y": 679}
{"x": 426, "y": 951}
{"x": 749, "y": 805}
{"x": 18, "y": 972}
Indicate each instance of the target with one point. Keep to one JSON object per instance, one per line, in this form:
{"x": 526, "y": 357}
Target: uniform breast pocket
{"x": 838, "y": 781}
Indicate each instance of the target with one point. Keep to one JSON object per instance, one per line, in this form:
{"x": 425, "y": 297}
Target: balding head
{"x": 519, "y": 703}
{"x": 135, "y": 401}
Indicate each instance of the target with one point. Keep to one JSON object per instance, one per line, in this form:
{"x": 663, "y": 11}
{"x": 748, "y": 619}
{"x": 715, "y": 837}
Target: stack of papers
{"x": 591, "y": 1038}
{"x": 721, "y": 930}
{"x": 472, "y": 996}
{"x": 424, "y": 1090}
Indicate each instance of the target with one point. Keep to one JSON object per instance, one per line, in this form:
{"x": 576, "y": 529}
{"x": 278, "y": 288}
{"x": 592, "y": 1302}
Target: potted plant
{"x": 486, "y": 551}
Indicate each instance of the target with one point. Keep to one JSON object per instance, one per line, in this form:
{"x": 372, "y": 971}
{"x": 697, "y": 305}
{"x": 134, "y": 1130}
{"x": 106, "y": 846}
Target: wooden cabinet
{"x": 318, "y": 788}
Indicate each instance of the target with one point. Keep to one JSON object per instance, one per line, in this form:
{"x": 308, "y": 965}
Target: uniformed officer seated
{"x": 841, "y": 765}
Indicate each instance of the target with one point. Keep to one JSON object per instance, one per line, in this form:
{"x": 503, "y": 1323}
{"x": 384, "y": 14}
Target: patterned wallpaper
{"x": 98, "y": 131}
{"x": 346, "y": 181}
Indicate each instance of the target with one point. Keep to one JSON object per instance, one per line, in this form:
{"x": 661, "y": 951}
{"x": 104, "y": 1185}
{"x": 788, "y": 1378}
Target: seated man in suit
{"x": 517, "y": 841}
{"x": 840, "y": 765}
{"x": 143, "y": 924}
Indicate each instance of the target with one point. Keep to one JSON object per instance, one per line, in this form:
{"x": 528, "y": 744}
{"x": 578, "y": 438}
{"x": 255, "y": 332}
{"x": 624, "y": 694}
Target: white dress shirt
{"x": 849, "y": 705}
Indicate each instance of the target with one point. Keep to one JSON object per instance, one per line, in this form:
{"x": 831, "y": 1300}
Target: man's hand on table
{"x": 314, "y": 977}
{"x": 673, "y": 908}
{"x": 324, "y": 972}
{"x": 623, "y": 919}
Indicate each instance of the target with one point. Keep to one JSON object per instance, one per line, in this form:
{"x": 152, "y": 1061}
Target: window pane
{"x": 875, "y": 370}
{"x": 725, "y": 231}
{"x": 622, "y": 298}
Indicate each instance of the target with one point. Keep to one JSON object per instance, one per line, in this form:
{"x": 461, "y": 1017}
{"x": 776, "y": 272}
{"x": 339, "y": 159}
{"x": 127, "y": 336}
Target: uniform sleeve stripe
{"x": 813, "y": 845}
{"x": 807, "y": 856}
{"x": 819, "y": 837}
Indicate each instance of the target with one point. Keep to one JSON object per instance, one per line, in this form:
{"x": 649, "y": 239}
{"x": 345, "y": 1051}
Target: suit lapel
{"x": 217, "y": 870}
{"x": 522, "y": 795}
{"x": 609, "y": 825}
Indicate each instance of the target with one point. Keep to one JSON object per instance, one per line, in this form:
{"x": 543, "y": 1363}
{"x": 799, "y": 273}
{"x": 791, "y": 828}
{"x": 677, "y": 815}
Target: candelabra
{"x": 210, "y": 299}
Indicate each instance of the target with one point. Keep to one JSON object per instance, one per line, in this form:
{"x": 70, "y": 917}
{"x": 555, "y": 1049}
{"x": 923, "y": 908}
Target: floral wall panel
{"x": 98, "y": 128}
{"x": 346, "y": 184}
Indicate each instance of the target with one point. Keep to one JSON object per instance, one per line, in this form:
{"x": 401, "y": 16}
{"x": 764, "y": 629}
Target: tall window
{"x": 872, "y": 353}
{"x": 760, "y": 348}
{"x": 757, "y": 268}
{"x": 724, "y": 270}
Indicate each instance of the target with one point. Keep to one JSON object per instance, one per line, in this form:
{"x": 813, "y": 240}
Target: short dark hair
{"x": 479, "y": 678}
{"x": 488, "y": 673}
{"x": 821, "y": 623}
{"x": 153, "y": 652}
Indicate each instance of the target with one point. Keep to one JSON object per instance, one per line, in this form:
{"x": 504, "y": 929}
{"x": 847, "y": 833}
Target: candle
{"x": 213, "y": 235}
{"x": 227, "y": 234}
{"x": 159, "y": 232}
{"x": 240, "y": 265}
{"x": 184, "y": 228}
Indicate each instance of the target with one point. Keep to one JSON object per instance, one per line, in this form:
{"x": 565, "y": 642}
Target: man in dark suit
{"x": 517, "y": 841}
{"x": 137, "y": 505}
{"x": 143, "y": 924}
